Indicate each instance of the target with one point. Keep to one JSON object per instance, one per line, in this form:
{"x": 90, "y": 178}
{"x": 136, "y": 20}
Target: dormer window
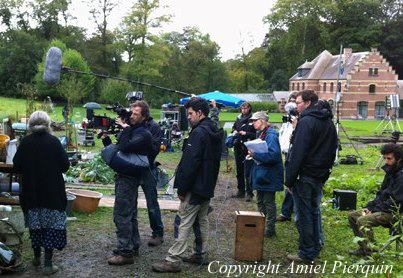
{"x": 302, "y": 72}
{"x": 373, "y": 72}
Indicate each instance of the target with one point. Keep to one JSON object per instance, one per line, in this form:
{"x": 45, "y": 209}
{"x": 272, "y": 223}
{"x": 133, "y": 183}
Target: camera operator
{"x": 134, "y": 138}
{"x": 244, "y": 131}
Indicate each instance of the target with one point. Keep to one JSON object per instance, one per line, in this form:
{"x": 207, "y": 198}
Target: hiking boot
{"x": 120, "y": 260}
{"x": 196, "y": 259}
{"x": 282, "y": 218}
{"x": 166, "y": 266}
{"x": 36, "y": 261}
{"x": 49, "y": 270}
{"x": 298, "y": 259}
{"x": 117, "y": 252}
{"x": 155, "y": 241}
{"x": 249, "y": 198}
{"x": 238, "y": 195}
{"x": 360, "y": 252}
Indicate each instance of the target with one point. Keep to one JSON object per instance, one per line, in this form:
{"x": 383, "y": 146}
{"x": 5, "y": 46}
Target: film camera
{"x": 107, "y": 124}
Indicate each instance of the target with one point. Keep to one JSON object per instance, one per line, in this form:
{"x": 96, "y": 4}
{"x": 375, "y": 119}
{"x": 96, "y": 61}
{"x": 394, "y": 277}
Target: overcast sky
{"x": 233, "y": 24}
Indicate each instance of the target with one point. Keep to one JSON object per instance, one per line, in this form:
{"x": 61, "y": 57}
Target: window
{"x": 373, "y": 72}
{"x": 362, "y": 109}
{"x": 331, "y": 87}
{"x": 324, "y": 87}
{"x": 372, "y": 89}
{"x": 293, "y": 86}
{"x": 379, "y": 109}
{"x": 298, "y": 86}
{"x": 303, "y": 85}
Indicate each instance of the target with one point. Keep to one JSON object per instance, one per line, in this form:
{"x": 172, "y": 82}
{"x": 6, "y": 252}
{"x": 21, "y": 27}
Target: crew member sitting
{"x": 380, "y": 211}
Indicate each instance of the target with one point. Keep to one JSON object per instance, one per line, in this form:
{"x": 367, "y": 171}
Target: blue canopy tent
{"x": 219, "y": 97}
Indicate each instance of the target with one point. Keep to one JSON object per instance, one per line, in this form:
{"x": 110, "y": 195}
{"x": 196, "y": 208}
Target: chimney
{"x": 347, "y": 52}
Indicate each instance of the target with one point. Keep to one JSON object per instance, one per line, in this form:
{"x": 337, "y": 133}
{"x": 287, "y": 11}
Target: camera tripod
{"x": 338, "y": 123}
{"x": 338, "y": 127}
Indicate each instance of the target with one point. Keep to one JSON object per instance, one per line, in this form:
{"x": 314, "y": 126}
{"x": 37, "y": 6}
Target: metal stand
{"x": 338, "y": 126}
{"x": 391, "y": 121}
{"x": 338, "y": 123}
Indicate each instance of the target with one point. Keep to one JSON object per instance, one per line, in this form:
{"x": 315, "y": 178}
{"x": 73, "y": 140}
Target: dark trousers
{"x": 248, "y": 164}
{"x": 288, "y": 205}
{"x": 266, "y": 203}
{"x": 125, "y": 215}
{"x": 307, "y": 194}
{"x": 149, "y": 187}
{"x": 240, "y": 153}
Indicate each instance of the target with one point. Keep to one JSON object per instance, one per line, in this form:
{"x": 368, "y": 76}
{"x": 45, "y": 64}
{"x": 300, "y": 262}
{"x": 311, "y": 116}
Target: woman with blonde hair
{"x": 41, "y": 160}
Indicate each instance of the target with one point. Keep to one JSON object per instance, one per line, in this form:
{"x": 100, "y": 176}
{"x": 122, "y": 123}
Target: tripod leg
{"x": 351, "y": 142}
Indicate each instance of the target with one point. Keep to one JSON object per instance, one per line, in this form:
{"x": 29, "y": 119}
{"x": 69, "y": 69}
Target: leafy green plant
{"x": 94, "y": 170}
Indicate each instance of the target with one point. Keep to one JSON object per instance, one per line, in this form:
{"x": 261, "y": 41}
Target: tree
{"x": 47, "y": 14}
{"x": 19, "y": 54}
{"x": 100, "y": 12}
{"x": 145, "y": 52}
{"x": 194, "y": 65}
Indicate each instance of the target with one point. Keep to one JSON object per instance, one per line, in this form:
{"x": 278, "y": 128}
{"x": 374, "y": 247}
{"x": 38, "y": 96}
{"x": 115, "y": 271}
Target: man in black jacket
{"x": 149, "y": 186}
{"x": 379, "y": 212}
{"x": 195, "y": 180}
{"x": 134, "y": 138}
{"x": 308, "y": 166}
{"x": 243, "y": 131}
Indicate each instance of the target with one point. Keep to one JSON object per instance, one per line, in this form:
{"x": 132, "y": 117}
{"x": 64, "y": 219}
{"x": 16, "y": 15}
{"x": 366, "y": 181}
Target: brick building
{"x": 366, "y": 79}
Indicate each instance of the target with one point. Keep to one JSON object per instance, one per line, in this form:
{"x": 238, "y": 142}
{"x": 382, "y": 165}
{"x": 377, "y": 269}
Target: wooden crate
{"x": 249, "y": 235}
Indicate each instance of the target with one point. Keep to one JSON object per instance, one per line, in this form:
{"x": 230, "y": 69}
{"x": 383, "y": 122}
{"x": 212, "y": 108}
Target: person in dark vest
{"x": 41, "y": 160}
{"x": 243, "y": 131}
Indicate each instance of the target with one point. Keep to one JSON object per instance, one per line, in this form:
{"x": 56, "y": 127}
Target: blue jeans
{"x": 307, "y": 194}
{"x": 149, "y": 186}
{"x": 288, "y": 205}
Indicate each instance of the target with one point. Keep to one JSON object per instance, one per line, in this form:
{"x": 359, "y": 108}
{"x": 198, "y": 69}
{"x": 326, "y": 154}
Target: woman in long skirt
{"x": 41, "y": 160}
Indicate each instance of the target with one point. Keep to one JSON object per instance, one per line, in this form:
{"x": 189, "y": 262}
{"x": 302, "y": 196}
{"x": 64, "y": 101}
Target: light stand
{"x": 338, "y": 123}
{"x": 392, "y": 102}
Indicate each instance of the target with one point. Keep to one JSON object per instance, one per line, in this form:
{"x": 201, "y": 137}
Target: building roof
{"x": 281, "y": 95}
{"x": 400, "y": 88}
{"x": 325, "y": 66}
{"x": 254, "y": 97}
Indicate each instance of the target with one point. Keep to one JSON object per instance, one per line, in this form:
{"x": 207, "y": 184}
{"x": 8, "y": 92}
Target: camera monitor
{"x": 101, "y": 122}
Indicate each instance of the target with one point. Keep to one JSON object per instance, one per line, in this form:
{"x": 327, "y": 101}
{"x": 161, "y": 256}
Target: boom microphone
{"x": 53, "y": 68}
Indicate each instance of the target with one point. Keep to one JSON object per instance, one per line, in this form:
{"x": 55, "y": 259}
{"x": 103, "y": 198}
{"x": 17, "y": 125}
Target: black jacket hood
{"x": 318, "y": 110}
{"x": 210, "y": 126}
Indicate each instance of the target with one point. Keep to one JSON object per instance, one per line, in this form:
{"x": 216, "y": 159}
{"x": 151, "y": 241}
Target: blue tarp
{"x": 219, "y": 97}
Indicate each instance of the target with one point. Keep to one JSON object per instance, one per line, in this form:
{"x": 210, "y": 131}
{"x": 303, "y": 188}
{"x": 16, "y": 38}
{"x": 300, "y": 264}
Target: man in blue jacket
{"x": 195, "y": 180}
{"x": 308, "y": 166}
